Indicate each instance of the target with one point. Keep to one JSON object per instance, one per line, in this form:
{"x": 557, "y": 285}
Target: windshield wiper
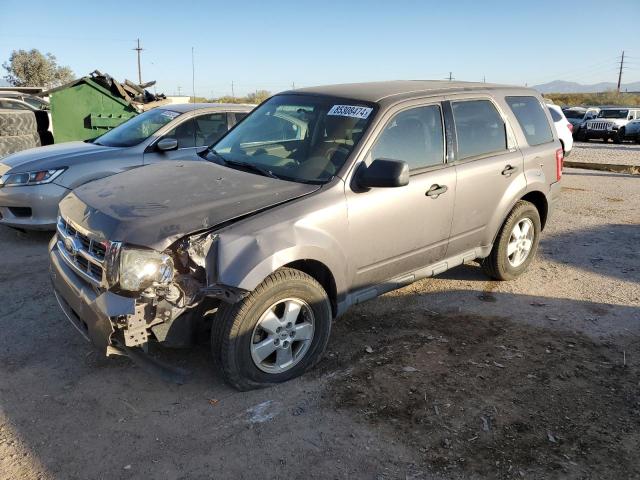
{"x": 250, "y": 166}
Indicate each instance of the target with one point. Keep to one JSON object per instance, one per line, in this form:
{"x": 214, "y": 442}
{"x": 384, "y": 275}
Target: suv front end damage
{"x": 121, "y": 297}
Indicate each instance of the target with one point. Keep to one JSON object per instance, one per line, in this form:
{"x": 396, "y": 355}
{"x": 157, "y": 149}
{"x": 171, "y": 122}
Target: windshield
{"x": 137, "y": 129}
{"x": 613, "y": 114}
{"x": 574, "y": 114}
{"x": 303, "y": 138}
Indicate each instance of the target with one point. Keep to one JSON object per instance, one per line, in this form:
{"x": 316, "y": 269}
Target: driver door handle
{"x": 436, "y": 190}
{"x": 508, "y": 170}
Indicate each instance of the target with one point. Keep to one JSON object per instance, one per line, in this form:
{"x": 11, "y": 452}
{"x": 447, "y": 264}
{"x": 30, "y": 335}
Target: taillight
{"x": 570, "y": 126}
{"x": 559, "y": 163}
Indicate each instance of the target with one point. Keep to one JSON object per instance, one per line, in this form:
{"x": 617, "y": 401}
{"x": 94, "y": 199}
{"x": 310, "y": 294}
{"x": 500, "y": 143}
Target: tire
{"x": 498, "y": 265}
{"x": 17, "y": 122}
{"x": 16, "y": 143}
{"x": 236, "y": 334}
{"x": 619, "y": 138}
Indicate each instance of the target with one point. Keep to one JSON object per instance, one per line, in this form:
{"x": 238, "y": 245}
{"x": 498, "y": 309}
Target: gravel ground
{"x": 467, "y": 378}
{"x": 596, "y": 151}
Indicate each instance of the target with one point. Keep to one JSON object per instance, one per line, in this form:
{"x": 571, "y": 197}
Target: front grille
{"x": 598, "y": 125}
{"x": 81, "y": 251}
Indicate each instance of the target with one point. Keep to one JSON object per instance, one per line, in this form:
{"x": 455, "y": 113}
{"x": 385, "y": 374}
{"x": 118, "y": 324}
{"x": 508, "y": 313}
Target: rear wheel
{"x": 516, "y": 244}
{"x": 276, "y": 333}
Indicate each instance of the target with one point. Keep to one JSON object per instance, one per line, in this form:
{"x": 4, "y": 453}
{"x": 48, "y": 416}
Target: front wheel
{"x": 516, "y": 244}
{"x": 619, "y": 138}
{"x": 276, "y": 333}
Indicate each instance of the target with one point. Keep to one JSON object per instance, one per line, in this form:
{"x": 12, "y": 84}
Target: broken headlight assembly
{"x": 30, "y": 178}
{"x": 141, "y": 269}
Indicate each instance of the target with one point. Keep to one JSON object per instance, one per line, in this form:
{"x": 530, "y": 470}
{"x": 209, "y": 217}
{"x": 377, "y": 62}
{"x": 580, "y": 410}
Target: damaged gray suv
{"x": 322, "y": 198}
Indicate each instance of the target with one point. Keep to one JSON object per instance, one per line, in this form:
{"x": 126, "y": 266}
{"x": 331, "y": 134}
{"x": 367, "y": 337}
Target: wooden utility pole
{"x": 139, "y": 49}
{"x": 620, "y": 73}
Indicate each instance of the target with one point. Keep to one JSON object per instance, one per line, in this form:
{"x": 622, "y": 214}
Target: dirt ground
{"x": 452, "y": 377}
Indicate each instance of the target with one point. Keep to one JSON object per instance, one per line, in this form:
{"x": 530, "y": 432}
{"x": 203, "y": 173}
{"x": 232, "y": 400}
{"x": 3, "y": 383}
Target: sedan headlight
{"x": 140, "y": 269}
{"x": 30, "y": 178}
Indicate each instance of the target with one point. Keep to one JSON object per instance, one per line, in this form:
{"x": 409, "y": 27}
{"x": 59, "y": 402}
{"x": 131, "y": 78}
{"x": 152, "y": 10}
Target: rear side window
{"x": 415, "y": 136}
{"x": 555, "y": 115}
{"x": 532, "y": 120}
{"x": 479, "y": 128}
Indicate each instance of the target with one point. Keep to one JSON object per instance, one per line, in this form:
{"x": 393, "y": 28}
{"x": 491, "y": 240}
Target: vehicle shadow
{"x": 610, "y": 250}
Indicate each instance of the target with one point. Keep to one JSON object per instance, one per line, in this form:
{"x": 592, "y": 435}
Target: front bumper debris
{"x": 115, "y": 323}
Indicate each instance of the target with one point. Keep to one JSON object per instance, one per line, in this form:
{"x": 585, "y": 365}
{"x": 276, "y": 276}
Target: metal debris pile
{"x": 135, "y": 94}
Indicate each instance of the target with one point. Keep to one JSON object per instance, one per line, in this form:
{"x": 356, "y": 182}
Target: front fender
{"x": 244, "y": 261}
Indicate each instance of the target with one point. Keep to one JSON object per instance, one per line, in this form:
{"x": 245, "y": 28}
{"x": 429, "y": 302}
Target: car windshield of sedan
{"x": 613, "y": 114}
{"x": 138, "y": 129}
{"x": 301, "y": 138}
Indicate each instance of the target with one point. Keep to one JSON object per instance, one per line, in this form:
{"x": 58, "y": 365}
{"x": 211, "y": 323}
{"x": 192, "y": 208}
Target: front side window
{"x": 480, "y": 129}
{"x": 303, "y": 138}
{"x": 532, "y": 119}
{"x": 415, "y": 136}
{"x": 137, "y": 129}
{"x": 200, "y": 131}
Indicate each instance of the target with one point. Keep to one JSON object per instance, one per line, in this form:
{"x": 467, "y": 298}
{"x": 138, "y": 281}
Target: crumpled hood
{"x": 55, "y": 156}
{"x": 153, "y": 206}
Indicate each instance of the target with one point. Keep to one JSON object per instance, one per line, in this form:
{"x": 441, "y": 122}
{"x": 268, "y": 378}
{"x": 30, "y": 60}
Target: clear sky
{"x": 271, "y": 45}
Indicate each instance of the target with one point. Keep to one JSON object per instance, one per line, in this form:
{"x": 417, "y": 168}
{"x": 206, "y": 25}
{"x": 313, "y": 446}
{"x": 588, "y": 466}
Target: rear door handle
{"x": 436, "y": 190}
{"x": 508, "y": 170}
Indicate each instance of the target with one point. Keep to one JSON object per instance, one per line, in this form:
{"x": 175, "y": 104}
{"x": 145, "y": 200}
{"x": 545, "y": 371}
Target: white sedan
{"x": 563, "y": 127}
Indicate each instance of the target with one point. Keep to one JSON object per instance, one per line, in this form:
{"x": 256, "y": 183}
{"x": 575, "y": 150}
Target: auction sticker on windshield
{"x": 350, "y": 111}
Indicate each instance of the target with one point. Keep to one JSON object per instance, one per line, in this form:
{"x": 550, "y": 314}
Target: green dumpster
{"x": 83, "y": 109}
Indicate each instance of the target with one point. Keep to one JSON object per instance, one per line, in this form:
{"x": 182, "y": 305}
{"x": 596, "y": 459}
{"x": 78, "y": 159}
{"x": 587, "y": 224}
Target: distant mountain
{"x": 560, "y": 86}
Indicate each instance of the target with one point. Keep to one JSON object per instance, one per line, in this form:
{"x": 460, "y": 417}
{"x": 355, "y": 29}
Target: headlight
{"x": 30, "y": 178}
{"x": 140, "y": 269}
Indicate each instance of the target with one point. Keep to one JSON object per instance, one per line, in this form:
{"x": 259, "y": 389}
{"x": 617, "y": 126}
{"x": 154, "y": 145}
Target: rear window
{"x": 479, "y": 128}
{"x": 574, "y": 114}
{"x": 532, "y": 120}
{"x": 555, "y": 115}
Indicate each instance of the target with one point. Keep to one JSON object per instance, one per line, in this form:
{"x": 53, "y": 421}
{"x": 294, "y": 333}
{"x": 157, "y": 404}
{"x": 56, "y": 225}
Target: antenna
{"x": 139, "y": 49}
{"x": 193, "y": 76}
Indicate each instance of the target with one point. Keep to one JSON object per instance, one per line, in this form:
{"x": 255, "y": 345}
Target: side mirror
{"x": 166, "y": 144}
{"x": 384, "y": 173}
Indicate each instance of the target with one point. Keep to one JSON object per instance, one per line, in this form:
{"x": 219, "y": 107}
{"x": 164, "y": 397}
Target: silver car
{"x": 322, "y": 198}
{"x": 32, "y": 182}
